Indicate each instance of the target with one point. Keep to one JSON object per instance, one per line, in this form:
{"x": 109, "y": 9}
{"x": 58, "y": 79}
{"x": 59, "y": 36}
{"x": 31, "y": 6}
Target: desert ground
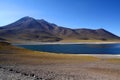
{"x": 21, "y": 64}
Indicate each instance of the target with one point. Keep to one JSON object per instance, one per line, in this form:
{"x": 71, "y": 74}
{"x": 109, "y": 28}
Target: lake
{"x": 76, "y": 48}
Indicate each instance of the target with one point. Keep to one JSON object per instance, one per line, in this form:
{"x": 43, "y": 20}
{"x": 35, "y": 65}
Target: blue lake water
{"x": 76, "y": 48}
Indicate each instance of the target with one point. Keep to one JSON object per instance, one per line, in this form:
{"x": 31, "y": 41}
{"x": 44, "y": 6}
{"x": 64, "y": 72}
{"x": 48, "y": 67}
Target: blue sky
{"x": 91, "y": 14}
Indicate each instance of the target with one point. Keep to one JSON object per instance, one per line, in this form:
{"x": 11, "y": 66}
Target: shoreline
{"x": 61, "y": 43}
{"x": 94, "y": 55}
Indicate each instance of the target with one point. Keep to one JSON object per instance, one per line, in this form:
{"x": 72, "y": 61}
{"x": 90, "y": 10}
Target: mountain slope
{"x": 99, "y": 34}
{"x": 27, "y": 29}
{"x": 30, "y": 29}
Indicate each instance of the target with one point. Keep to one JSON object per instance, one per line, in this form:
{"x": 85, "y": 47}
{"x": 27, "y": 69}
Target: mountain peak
{"x": 27, "y": 18}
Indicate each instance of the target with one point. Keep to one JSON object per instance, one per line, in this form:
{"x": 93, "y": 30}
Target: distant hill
{"x": 30, "y": 29}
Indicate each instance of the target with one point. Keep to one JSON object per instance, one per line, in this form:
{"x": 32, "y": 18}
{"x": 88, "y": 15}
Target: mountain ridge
{"x": 30, "y": 29}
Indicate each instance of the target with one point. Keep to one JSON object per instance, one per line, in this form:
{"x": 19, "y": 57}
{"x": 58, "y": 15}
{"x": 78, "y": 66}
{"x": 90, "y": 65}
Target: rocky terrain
{"x": 81, "y": 71}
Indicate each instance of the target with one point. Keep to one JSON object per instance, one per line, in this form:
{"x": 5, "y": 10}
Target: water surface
{"x": 76, "y": 48}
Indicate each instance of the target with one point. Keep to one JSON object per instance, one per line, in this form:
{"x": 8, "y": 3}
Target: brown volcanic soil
{"x": 21, "y": 64}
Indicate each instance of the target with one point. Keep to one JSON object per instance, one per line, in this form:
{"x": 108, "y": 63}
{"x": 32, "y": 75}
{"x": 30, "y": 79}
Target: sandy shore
{"x": 22, "y": 64}
{"x": 44, "y": 43}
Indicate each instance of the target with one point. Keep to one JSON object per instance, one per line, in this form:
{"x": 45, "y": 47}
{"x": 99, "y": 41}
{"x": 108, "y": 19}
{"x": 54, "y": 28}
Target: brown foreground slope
{"x": 21, "y": 64}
